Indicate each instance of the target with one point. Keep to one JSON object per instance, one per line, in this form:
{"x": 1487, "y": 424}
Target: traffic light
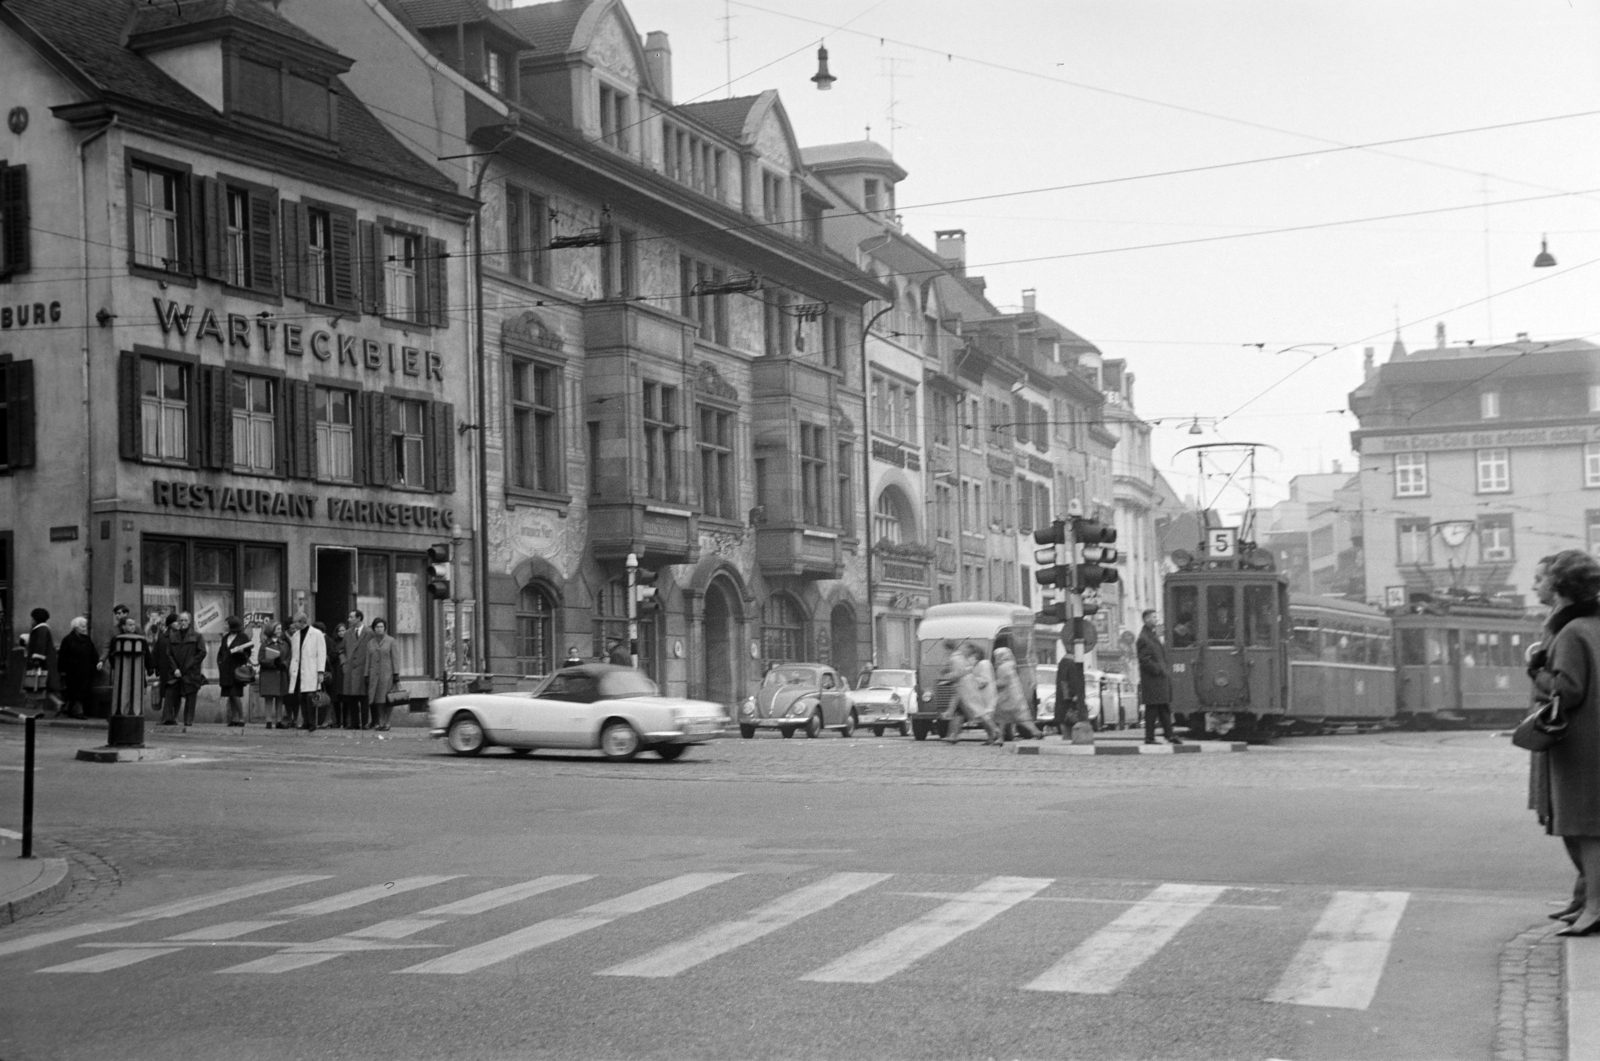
{"x": 1095, "y": 538}
{"x": 645, "y": 592}
{"x": 439, "y": 570}
{"x": 1051, "y": 572}
{"x": 1052, "y": 614}
{"x": 1055, "y": 534}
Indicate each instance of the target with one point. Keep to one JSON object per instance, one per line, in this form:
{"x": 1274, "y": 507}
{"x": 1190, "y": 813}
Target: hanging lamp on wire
{"x": 1545, "y": 260}
{"x": 1194, "y": 428}
{"x": 823, "y": 80}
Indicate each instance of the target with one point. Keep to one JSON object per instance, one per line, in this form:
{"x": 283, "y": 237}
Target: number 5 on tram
{"x": 1226, "y": 633}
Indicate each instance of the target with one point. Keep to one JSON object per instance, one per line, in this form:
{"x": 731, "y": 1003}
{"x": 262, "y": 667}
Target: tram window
{"x": 1184, "y": 607}
{"x": 1413, "y": 648}
{"x": 1219, "y": 615}
{"x": 1260, "y": 615}
{"x": 1385, "y": 647}
{"x": 1303, "y": 644}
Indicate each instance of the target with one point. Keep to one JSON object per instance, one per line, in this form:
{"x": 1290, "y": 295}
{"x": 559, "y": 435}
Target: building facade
{"x": 233, "y": 349}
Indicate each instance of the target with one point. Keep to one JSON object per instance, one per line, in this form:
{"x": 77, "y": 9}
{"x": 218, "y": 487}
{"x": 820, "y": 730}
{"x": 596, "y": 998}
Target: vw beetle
{"x": 804, "y": 697}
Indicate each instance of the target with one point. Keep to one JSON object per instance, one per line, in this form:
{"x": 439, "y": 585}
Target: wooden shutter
{"x": 264, "y": 242}
{"x": 211, "y": 215}
{"x": 442, "y": 446}
{"x": 380, "y": 457}
{"x": 129, "y": 434}
{"x": 212, "y": 444}
{"x": 294, "y": 249}
{"x": 342, "y": 230}
{"x": 19, "y": 409}
{"x": 298, "y": 426}
{"x": 358, "y": 440}
{"x": 14, "y": 220}
{"x": 436, "y": 298}
{"x": 371, "y": 245}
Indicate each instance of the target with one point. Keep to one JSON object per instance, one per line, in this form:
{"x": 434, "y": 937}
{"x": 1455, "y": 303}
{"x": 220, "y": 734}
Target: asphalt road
{"x": 274, "y": 895}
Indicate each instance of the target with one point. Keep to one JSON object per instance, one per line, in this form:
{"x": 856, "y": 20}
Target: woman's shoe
{"x": 1570, "y": 914}
{"x": 1585, "y": 926}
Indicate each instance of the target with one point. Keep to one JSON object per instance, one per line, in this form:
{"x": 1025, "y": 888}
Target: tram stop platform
{"x": 1123, "y": 742}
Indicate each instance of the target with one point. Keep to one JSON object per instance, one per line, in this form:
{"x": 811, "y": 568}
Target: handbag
{"x": 320, "y": 701}
{"x": 244, "y": 674}
{"x": 1542, "y": 729}
{"x": 35, "y": 680}
{"x": 398, "y": 696}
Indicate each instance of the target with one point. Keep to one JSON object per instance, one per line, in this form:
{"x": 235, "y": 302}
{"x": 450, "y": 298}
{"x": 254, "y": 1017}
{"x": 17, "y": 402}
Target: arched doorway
{"x": 846, "y": 652}
{"x": 721, "y": 645}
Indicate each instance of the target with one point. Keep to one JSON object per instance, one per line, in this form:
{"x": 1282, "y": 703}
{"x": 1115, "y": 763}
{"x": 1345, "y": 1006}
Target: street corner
{"x": 1122, "y": 747}
{"x": 28, "y": 885}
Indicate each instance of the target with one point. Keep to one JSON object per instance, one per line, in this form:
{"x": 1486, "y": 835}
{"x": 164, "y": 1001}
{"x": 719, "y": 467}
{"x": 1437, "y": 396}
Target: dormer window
{"x": 297, "y": 100}
{"x": 772, "y": 195}
{"x": 870, "y": 195}
{"x": 614, "y": 118}
{"x": 1489, "y": 405}
{"x": 494, "y": 71}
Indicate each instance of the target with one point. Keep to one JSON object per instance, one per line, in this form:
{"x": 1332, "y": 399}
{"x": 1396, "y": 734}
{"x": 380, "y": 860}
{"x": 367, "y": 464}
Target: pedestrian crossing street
{"x": 1338, "y": 963}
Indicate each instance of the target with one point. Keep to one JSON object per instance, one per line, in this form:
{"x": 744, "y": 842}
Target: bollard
{"x": 27, "y": 788}
{"x": 125, "y": 726}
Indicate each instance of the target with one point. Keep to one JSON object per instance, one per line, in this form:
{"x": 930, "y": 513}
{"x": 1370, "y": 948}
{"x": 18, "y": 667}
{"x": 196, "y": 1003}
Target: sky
{"x": 1257, "y": 335}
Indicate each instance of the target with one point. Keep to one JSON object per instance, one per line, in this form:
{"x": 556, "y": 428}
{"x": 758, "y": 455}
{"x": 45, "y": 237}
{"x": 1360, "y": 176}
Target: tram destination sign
{"x": 1511, "y": 437}
{"x": 280, "y": 505}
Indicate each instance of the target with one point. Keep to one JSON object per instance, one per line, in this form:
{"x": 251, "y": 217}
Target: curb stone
{"x": 1530, "y": 1024}
{"x": 51, "y": 885}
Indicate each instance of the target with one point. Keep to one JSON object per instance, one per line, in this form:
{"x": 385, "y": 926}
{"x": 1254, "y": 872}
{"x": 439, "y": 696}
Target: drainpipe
{"x": 88, "y": 391}
{"x": 866, "y": 481}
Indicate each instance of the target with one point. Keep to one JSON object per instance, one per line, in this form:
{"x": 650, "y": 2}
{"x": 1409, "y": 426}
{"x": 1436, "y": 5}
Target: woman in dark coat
{"x": 40, "y": 674}
{"x": 234, "y": 652}
{"x": 335, "y": 686}
{"x": 1572, "y": 677}
{"x": 383, "y": 670}
{"x": 78, "y": 661}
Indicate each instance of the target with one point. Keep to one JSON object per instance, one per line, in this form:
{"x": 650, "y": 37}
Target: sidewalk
{"x": 28, "y": 885}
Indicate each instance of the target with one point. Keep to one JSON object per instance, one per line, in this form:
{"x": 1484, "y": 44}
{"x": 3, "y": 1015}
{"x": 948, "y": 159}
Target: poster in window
{"x": 211, "y": 608}
{"x": 260, "y": 607}
{"x": 450, "y": 663}
{"x": 160, "y": 602}
{"x": 407, "y": 602}
{"x": 373, "y": 608}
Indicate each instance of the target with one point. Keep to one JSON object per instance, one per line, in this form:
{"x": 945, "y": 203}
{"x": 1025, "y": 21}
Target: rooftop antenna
{"x": 892, "y": 72}
{"x": 727, "y": 40}
{"x": 1488, "y": 285}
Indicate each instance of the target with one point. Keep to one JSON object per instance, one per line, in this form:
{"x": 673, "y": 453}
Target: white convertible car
{"x": 596, "y": 705}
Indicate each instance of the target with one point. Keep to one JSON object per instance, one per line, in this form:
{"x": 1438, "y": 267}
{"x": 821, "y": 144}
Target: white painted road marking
{"x": 675, "y": 958}
{"x": 1340, "y": 963}
{"x": 546, "y": 932}
{"x": 303, "y": 955}
{"x": 154, "y": 913}
{"x": 117, "y": 959}
{"x": 894, "y": 951}
{"x": 1100, "y": 964}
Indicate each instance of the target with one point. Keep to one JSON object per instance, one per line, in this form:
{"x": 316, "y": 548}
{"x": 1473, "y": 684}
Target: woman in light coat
{"x": 1010, "y": 701}
{"x": 383, "y": 669}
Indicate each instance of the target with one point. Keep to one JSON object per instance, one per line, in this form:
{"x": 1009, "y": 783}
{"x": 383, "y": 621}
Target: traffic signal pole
{"x": 455, "y": 584}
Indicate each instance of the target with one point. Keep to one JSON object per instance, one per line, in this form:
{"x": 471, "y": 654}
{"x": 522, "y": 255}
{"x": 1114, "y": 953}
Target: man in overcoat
{"x": 357, "y": 637}
{"x": 186, "y": 651}
{"x": 308, "y": 667}
{"x": 1155, "y": 687}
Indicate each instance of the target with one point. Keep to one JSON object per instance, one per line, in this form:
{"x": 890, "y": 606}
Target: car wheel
{"x": 521, "y": 752}
{"x": 905, "y": 730}
{"x": 619, "y": 742}
{"x": 919, "y": 729}
{"x": 877, "y": 731}
{"x": 814, "y": 724}
{"x": 465, "y": 736}
{"x": 747, "y": 732}
{"x": 670, "y": 752}
{"x": 787, "y": 731}
{"x": 850, "y": 724}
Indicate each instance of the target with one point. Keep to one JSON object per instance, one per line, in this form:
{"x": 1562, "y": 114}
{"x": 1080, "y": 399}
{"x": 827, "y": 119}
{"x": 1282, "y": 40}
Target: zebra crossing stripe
{"x": 543, "y": 933}
{"x": 1100, "y": 964}
{"x": 302, "y": 955}
{"x": 894, "y": 951}
{"x": 1340, "y": 963}
{"x": 117, "y": 959}
{"x": 155, "y": 913}
{"x": 675, "y": 958}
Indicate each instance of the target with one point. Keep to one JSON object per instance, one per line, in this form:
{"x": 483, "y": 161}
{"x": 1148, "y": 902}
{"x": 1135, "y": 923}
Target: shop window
{"x": 536, "y": 615}
{"x": 17, "y": 448}
{"x": 409, "y": 440}
{"x": 525, "y": 234}
{"x": 783, "y": 630}
{"x": 408, "y": 622}
{"x": 253, "y": 401}
{"x": 536, "y": 438}
{"x": 336, "y": 434}
{"x": 164, "y": 410}
{"x": 718, "y": 485}
{"x": 15, "y": 251}
{"x": 262, "y": 593}
{"x": 211, "y": 580}
{"x": 661, "y": 441}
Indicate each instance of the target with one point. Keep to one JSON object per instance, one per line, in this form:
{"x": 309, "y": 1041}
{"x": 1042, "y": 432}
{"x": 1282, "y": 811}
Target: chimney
{"x": 951, "y": 245}
{"x": 658, "y": 57}
{"x": 1438, "y": 334}
{"x": 1522, "y": 337}
{"x": 1029, "y": 296}
{"x": 1367, "y": 368}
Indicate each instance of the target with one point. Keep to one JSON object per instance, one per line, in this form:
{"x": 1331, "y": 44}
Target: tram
{"x": 1461, "y": 661}
{"x": 1227, "y": 644}
{"x": 1341, "y": 664}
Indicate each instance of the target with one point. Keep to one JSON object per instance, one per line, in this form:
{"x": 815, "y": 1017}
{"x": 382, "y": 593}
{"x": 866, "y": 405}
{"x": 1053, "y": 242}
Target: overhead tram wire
{"x": 1135, "y": 98}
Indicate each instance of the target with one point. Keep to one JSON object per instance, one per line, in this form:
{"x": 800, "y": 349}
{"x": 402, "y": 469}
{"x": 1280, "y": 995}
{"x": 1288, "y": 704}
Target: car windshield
{"x": 619, "y": 683}
{"x": 888, "y": 679}
{"x": 789, "y": 676}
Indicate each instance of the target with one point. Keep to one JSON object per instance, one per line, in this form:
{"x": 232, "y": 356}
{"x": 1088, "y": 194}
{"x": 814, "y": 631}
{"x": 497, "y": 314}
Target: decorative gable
{"x": 615, "y": 49}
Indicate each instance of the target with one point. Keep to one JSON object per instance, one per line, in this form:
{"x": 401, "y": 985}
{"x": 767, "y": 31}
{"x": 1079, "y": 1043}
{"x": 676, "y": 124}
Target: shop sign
{"x": 25, "y": 313}
{"x": 197, "y": 497}
{"x": 1510, "y": 437}
{"x": 324, "y": 344}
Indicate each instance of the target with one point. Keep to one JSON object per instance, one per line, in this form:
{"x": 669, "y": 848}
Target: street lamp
{"x": 1545, "y": 259}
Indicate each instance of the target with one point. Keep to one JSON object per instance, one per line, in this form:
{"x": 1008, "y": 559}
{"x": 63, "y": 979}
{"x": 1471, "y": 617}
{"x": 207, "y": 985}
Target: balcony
{"x": 905, "y": 563}
{"x": 661, "y": 533}
{"x": 796, "y": 552}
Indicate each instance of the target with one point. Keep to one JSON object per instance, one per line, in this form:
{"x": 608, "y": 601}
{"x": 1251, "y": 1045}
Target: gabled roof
{"x": 725, "y": 116}
{"x": 437, "y": 14}
{"x": 154, "y": 15}
{"x": 88, "y": 36}
{"x": 549, "y": 26}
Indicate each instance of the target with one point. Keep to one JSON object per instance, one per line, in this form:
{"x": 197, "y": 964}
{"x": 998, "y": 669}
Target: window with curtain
{"x": 783, "y": 631}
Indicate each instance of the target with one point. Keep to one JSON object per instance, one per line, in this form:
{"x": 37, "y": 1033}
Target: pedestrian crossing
{"x": 1344, "y": 938}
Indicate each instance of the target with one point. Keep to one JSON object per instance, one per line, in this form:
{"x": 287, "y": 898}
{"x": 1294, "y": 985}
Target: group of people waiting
{"x": 991, "y": 694}
{"x": 301, "y": 676}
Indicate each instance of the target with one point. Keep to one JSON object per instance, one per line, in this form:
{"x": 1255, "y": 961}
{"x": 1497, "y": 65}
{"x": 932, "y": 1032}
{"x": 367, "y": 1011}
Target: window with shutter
{"x": 246, "y": 241}
{"x": 14, "y": 220}
{"x": 16, "y": 415}
{"x": 342, "y": 251}
{"x": 436, "y": 297}
{"x": 166, "y": 217}
{"x": 297, "y": 268}
{"x": 370, "y": 252}
{"x": 159, "y": 411}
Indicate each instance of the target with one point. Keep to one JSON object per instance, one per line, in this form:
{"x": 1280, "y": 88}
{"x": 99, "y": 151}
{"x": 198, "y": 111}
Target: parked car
{"x": 1044, "y": 685}
{"x": 618, "y": 710}
{"x": 884, "y": 698}
{"x": 799, "y": 696}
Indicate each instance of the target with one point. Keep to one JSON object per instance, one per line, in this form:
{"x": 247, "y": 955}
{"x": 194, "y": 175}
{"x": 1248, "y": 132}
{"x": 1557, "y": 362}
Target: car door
{"x": 835, "y": 701}
{"x": 570, "y": 720}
